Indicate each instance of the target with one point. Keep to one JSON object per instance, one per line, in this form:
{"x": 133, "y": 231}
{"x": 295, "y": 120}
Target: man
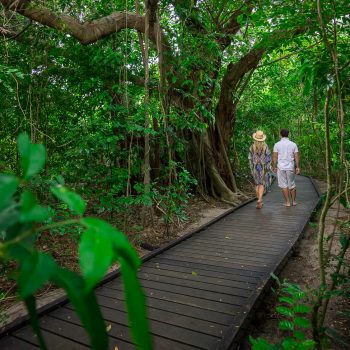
{"x": 287, "y": 154}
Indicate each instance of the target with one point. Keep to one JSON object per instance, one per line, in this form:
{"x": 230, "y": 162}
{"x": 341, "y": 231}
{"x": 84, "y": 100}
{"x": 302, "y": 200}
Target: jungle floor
{"x": 302, "y": 269}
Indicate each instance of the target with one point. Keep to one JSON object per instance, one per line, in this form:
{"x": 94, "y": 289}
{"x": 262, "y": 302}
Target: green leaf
{"x": 73, "y": 200}
{"x": 9, "y": 217}
{"x": 32, "y": 156}
{"x": 85, "y": 305}
{"x": 287, "y": 300}
{"x": 261, "y": 344}
{"x": 307, "y": 344}
{"x": 30, "y": 211}
{"x": 8, "y": 187}
{"x": 35, "y": 271}
{"x": 135, "y": 301}
{"x": 95, "y": 256}
{"x": 286, "y": 325}
{"x": 34, "y": 320}
{"x": 283, "y": 310}
{"x": 301, "y": 309}
{"x": 289, "y": 344}
{"x": 300, "y": 335}
{"x": 302, "y": 322}
{"x": 120, "y": 244}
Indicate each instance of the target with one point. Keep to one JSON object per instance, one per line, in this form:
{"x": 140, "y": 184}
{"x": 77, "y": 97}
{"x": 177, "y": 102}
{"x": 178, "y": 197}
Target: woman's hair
{"x": 259, "y": 146}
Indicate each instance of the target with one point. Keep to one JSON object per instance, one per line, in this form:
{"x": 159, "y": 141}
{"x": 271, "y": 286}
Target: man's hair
{"x": 284, "y": 133}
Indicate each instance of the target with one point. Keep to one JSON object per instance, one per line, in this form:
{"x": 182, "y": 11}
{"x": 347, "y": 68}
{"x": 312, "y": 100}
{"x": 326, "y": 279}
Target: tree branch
{"x": 86, "y": 32}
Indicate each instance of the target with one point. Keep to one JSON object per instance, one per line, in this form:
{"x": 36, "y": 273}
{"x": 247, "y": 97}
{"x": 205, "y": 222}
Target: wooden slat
{"x": 227, "y": 308}
{"x": 198, "y": 277}
{"x": 117, "y": 301}
{"x": 117, "y": 322}
{"x": 111, "y": 309}
{"x": 10, "y": 343}
{"x": 52, "y": 340}
{"x": 237, "y": 297}
{"x": 249, "y": 274}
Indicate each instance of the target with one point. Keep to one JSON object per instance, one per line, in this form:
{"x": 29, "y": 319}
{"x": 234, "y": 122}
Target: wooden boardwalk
{"x": 201, "y": 290}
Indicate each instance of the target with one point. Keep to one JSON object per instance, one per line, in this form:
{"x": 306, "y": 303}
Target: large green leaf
{"x": 9, "y": 216}
{"x": 95, "y": 256}
{"x": 34, "y": 320}
{"x": 120, "y": 243}
{"x": 35, "y": 271}
{"x": 135, "y": 301}
{"x": 85, "y": 305}
{"x": 301, "y": 308}
{"x": 30, "y": 211}
{"x": 32, "y": 156}
{"x": 73, "y": 200}
{"x": 8, "y": 187}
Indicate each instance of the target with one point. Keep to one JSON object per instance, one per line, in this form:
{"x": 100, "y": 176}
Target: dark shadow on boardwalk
{"x": 201, "y": 291}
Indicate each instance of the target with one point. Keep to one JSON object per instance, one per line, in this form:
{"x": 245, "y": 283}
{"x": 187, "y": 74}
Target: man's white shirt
{"x": 285, "y": 149}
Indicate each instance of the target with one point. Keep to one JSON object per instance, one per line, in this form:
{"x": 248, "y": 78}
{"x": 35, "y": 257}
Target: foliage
{"x": 22, "y": 218}
{"x": 295, "y": 309}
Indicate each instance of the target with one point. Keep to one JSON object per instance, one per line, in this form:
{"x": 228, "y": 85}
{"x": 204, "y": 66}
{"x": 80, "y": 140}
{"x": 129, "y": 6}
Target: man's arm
{"x": 297, "y": 162}
{"x": 274, "y": 160}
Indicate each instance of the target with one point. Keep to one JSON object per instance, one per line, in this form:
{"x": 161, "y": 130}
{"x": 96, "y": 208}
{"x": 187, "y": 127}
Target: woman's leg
{"x": 257, "y": 191}
{"x": 261, "y": 193}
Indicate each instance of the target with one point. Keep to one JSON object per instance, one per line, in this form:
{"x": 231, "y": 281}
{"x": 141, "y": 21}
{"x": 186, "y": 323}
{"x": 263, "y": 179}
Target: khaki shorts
{"x": 286, "y": 178}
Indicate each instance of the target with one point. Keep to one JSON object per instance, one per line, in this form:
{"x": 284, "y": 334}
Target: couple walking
{"x": 285, "y": 162}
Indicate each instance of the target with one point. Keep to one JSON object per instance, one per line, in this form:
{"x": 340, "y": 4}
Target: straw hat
{"x": 259, "y": 136}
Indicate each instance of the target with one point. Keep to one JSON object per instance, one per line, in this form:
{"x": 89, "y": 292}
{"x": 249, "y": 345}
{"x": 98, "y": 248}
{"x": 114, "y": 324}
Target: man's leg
{"x": 283, "y": 184}
{"x": 292, "y": 186}
{"x": 285, "y": 192}
{"x": 293, "y": 192}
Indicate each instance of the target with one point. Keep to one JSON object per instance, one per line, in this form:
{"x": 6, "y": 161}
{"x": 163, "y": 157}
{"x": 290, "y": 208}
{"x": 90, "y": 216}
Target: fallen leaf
{"x": 108, "y": 328}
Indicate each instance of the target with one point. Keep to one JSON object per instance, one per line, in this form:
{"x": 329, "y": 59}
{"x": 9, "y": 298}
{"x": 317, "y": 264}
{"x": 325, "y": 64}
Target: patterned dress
{"x": 260, "y": 164}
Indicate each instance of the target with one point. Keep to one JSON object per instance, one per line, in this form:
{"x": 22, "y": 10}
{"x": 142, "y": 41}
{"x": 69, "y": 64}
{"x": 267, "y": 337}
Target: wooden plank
{"x": 195, "y": 276}
{"x": 249, "y": 244}
{"x": 227, "y": 308}
{"x": 117, "y": 323}
{"x": 248, "y": 230}
{"x": 10, "y": 343}
{"x": 191, "y": 322}
{"x": 52, "y": 340}
{"x": 235, "y": 245}
{"x": 237, "y": 263}
{"x": 235, "y": 258}
{"x": 196, "y": 313}
{"x": 254, "y": 241}
{"x": 244, "y": 273}
{"x": 275, "y": 238}
{"x": 237, "y": 297}
{"x": 241, "y": 289}
{"x": 232, "y": 254}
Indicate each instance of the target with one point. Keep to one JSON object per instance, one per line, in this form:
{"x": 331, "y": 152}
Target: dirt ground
{"x": 302, "y": 269}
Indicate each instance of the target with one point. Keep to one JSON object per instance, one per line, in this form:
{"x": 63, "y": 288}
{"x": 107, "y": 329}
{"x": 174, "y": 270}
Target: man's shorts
{"x": 286, "y": 178}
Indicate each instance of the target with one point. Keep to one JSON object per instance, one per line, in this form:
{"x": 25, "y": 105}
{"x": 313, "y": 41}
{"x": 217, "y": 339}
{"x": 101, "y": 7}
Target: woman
{"x": 260, "y": 163}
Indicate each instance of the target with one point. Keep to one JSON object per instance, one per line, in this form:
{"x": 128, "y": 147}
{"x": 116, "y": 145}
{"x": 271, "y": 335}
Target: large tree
{"x": 206, "y": 51}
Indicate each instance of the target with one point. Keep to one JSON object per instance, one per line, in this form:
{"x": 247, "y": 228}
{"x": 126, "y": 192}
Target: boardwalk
{"x": 202, "y": 290}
